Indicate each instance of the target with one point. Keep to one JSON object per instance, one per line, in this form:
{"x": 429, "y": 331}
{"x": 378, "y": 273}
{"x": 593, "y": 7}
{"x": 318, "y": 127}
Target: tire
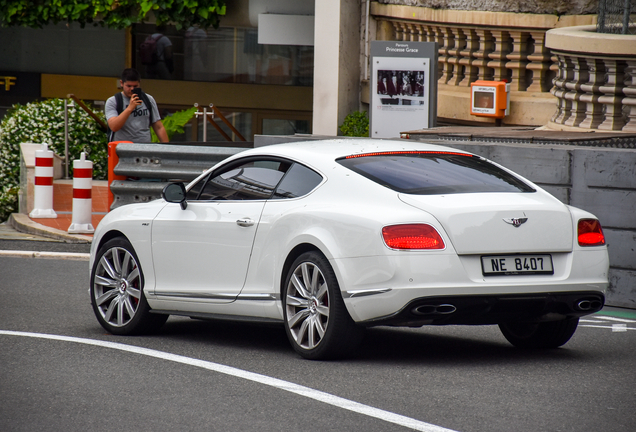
{"x": 117, "y": 293}
{"x": 552, "y": 334}
{"x": 316, "y": 320}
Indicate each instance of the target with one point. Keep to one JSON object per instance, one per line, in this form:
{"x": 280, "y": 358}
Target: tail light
{"x": 590, "y": 233}
{"x": 412, "y": 236}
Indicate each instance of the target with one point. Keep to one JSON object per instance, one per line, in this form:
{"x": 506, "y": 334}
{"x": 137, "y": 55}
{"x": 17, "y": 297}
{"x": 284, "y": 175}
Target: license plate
{"x": 510, "y": 265}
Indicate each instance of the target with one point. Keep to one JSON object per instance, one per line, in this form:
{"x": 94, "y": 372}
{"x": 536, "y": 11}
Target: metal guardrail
{"x": 148, "y": 167}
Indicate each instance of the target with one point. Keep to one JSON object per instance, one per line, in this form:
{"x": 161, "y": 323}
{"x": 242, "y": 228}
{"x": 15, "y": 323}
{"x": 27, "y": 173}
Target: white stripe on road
{"x": 73, "y": 256}
{"x": 614, "y": 327}
{"x": 609, "y": 318}
{"x": 251, "y": 376}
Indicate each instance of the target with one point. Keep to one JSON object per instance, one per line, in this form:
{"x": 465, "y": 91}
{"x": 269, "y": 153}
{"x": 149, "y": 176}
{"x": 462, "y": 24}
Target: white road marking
{"x": 609, "y": 318}
{"x": 619, "y": 327}
{"x": 73, "y": 256}
{"x": 613, "y": 327}
{"x": 251, "y": 376}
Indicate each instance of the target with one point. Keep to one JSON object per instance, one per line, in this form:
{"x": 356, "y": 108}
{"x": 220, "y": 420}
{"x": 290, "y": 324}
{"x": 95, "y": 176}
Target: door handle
{"x": 247, "y": 222}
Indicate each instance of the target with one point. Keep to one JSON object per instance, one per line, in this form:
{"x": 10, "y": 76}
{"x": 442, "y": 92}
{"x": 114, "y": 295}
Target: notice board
{"x": 403, "y": 87}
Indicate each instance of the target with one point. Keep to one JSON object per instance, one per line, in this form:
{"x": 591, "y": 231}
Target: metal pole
{"x": 66, "y": 138}
{"x": 205, "y": 124}
{"x": 196, "y": 115}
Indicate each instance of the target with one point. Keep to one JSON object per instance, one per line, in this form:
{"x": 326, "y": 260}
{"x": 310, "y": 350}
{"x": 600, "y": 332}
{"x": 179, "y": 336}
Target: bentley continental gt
{"x": 328, "y": 238}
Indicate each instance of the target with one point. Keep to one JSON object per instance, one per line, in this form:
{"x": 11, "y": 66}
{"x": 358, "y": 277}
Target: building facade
{"x": 301, "y": 66}
{"x": 260, "y": 88}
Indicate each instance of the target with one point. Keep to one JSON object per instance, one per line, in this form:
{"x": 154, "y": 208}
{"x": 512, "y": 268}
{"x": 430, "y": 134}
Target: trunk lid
{"x": 483, "y": 223}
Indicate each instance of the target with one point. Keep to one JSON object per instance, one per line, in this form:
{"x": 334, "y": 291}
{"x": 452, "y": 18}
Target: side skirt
{"x": 220, "y": 317}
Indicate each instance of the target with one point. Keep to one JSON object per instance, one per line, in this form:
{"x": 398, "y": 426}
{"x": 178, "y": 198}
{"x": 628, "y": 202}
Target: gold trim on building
{"x": 186, "y": 93}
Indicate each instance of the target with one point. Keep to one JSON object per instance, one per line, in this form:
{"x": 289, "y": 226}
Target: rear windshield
{"x": 434, "y": 173}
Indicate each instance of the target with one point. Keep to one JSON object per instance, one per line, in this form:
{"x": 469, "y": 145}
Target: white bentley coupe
{"x": 330, "y": 237}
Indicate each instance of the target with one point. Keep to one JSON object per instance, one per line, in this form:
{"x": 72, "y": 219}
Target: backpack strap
{"x": 149, "y": 105}
{"x": 119, "y": 98}
{"x": 119, "y": 101}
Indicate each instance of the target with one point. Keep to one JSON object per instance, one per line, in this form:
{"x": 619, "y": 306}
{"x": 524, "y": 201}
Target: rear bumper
{"x": 493, "y": 309}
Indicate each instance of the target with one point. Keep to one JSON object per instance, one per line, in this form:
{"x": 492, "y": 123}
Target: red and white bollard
{"x": 82, "y": 196}
{"x": 43, "y": 188}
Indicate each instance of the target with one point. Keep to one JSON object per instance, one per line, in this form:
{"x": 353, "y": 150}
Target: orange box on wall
{"x": 490, "y": 98}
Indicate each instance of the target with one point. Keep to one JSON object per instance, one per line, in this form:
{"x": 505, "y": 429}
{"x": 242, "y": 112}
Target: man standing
{"x": 131, "y": 120}
{"x": 162, "y": 64}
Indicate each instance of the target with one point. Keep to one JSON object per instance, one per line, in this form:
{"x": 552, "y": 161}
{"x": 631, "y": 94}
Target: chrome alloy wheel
{"x": 117, "y": 286}
{"x": 307, "y": 305}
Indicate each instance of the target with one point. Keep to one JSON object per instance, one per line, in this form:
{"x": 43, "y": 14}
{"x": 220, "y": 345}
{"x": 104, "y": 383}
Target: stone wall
{"x": 595, "y": 85}
{"x": 558, "y": 7}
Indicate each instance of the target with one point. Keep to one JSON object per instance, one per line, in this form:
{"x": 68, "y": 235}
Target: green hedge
{"x": 356, "y": 124}
{"x": 118, "y": 14}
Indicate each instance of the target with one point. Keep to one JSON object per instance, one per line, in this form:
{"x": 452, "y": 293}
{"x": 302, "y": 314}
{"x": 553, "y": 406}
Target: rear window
{"x": 433, "y": 173}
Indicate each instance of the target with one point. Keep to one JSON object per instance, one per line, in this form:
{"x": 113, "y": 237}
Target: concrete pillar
{"x": 336, "y": 64}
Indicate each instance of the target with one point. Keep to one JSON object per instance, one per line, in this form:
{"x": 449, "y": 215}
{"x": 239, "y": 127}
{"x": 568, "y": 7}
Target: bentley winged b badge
{"x": 515, "y": 222}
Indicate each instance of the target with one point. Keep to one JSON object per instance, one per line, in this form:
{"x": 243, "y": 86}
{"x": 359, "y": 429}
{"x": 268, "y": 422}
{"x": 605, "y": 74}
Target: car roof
{"x": 326, "y": 151}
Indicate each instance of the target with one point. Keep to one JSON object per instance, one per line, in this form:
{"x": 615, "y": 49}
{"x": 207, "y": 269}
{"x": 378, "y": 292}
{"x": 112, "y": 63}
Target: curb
{"x": 23, "y": 223}
{"x": 71, "y": 256}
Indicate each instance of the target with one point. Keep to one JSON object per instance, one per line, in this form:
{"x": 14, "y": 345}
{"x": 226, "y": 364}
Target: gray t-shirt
{"x": 137, "y": 127}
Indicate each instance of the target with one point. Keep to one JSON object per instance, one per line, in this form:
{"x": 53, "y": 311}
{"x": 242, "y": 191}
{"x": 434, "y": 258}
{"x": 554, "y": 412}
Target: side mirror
{"x": 175, "y": 193}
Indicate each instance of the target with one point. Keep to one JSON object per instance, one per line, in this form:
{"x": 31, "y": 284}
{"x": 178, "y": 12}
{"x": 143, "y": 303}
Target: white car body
{"x": 228, "y": 258}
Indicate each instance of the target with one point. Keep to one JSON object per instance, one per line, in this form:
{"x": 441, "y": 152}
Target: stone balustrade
{"x": 595, "y": 83}
{"x": 470, "y": 53}
{"x": 475, "y": 45}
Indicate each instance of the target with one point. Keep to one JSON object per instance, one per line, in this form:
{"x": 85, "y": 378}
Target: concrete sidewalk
{"x": 57, "y": 228}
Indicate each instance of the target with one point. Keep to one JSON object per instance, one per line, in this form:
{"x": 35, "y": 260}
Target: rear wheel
{"x": 117, "y": 291}
{"x": 552, "y": 334}
{"x": 316, "y": 320}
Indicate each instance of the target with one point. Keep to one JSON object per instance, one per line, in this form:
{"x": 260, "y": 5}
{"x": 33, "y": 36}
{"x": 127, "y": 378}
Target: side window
{"x": 250, "y": 180}
{"x": 299, "y": 181}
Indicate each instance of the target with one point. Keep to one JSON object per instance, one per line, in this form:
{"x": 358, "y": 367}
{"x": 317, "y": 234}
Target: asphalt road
{"x": 61, "y": 371}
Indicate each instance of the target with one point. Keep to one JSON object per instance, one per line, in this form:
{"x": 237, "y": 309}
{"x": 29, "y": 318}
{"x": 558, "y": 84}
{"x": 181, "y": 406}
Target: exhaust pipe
{"x": 588, "y": 305}
{"x": 442, "y": 309}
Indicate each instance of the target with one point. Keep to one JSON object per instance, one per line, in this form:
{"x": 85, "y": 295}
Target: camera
{"x": 137, "y": 91}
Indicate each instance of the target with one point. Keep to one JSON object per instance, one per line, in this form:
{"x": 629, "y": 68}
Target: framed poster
{"x": 403, "y": 88}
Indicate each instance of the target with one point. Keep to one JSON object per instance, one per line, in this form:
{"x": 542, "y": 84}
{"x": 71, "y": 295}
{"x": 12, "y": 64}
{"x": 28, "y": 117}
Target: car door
{"x": 276, "y": 227}
{"x": 203, "y": 251}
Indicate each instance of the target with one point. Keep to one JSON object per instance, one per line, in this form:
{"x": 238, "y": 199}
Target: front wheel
{"x": 316, "y": 320}
{"x": 117, "y": 293}
{"x": 552, "y": 334}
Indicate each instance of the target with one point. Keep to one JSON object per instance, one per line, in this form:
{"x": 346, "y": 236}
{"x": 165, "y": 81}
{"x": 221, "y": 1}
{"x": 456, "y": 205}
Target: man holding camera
{"x": 131, "y": 113}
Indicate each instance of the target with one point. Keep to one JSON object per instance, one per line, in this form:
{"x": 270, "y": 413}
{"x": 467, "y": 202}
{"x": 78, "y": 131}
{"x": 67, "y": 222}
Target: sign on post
{"x": 403, "y": 87}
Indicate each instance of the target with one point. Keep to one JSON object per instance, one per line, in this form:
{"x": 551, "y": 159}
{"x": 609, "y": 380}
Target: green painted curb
{"x": 618, "y": 314}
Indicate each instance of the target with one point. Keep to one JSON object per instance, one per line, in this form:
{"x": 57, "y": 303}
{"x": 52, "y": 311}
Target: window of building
{"x": 227, "y": 54}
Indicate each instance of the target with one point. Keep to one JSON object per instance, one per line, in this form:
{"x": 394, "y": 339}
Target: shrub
{"x": 43, "y": 122}
{"x": 356, "y": 124}
{"x": 174, "y": 123}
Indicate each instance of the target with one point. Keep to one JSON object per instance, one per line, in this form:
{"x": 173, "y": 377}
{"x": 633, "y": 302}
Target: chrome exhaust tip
{"x": 446, "y": 309}
{"x": 442, "y": 309}
{"x": 588, "y": 305}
